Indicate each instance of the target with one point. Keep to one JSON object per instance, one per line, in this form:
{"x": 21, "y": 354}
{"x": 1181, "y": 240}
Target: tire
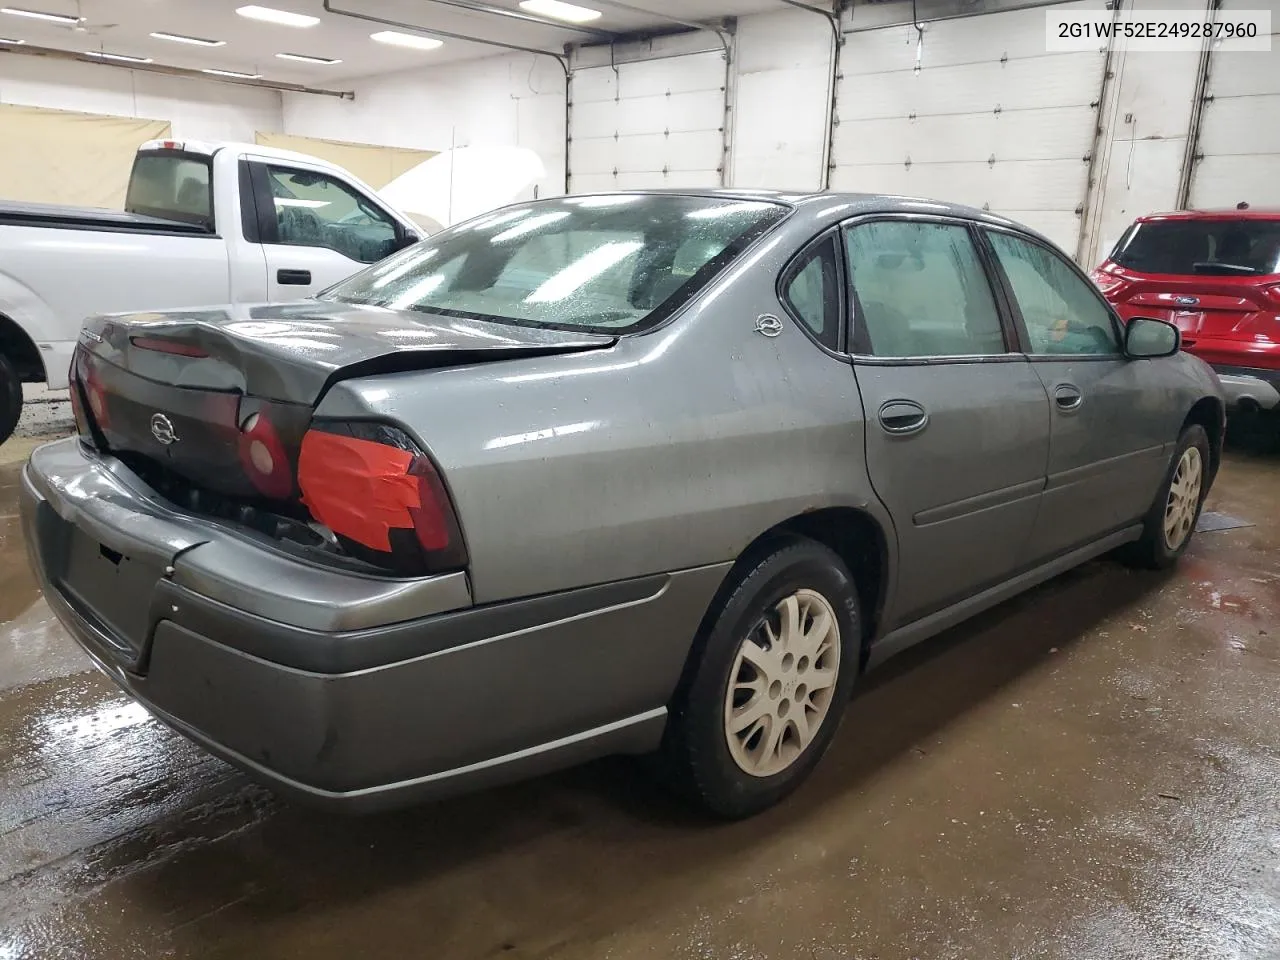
{"x": 10, "y": 398}
{"x": 769, "y": 682}
{"x": 1163, "y": 543}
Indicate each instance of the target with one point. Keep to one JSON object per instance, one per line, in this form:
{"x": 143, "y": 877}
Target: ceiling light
{"x": 117, "y": 56}
{"x": 411, "y": 40}
{"x": 11, "y": 42}
{"x": 283, "y": 18}
{"x": 233, "y": 74}
{"x": 37, "y": 15}
{"x": 303, "y": 58}
{"x": 197, "y": 41}
{"x": 570, "y": 12}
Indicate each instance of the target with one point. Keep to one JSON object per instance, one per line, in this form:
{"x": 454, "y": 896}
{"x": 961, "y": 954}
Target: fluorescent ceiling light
{"x": 11, "y": 42}
{"x": 125, "y": 58}
{"x": 282, "y": 18}
{"x": 38, "y": 15}
{"x": 570, "y": 12}
{"x": 196, "y": 41}
{"x": 411, "y": 40}
{"x": 303, "y": 58}
{"x": 234, "y": 74}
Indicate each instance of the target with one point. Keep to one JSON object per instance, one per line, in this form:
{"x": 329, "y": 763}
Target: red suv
{"x": 1216, "y": 275}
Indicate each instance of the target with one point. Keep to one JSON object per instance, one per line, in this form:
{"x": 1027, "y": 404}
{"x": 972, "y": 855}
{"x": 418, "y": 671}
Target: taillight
{"x": 1105, "y": 282}
{"x": 1272, "y": 292}
{"x": 95, "y": 396}
{"x": 262, "y": 453}
{"x": 374, "y": 489}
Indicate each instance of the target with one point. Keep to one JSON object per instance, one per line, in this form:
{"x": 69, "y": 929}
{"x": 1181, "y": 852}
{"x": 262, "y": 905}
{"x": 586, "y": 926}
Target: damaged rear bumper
{"x": 350, "y": 691}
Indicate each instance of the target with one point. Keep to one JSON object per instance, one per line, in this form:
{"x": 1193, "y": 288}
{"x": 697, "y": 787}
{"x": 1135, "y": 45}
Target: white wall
{"x": 197, "y": 109}
{"x": 516, "y": 101}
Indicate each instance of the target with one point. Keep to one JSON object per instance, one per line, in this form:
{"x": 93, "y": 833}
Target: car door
{"x": 957, "y": 420}
{"x": 1107, "y": 448}
{"x": 317, "y": 230}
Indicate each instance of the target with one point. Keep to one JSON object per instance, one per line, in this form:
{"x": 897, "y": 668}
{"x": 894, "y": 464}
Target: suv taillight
{"x": 1105, "y": 282}
{"x": 380, "y": 495}
{"x": 1272, "y": 292}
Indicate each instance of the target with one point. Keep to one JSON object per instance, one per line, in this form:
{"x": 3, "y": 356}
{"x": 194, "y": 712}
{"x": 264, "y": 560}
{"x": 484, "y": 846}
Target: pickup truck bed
{"x": 91, "y": 218}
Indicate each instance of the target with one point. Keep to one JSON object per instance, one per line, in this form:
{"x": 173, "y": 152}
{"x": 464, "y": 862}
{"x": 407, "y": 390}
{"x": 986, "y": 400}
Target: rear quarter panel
{"x": 671, "y": 450}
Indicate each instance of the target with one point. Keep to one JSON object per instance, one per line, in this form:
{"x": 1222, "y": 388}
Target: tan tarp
{"x": 376, "y": 166}
{"x": 58, "y": 156}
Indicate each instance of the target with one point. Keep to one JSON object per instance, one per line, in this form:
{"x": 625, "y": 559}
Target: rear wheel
{"x": 10, "y": 398}
{"x": 1171, "y": 521}
{"x": 770, "y": 684}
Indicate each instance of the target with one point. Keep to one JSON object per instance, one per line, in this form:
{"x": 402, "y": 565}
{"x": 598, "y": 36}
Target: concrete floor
{"x": 1091, "y": 771}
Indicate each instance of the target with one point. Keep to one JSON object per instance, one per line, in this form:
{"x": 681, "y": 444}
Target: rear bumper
{"x": 359, "y": 718}
{"x": 1249, "y": 387}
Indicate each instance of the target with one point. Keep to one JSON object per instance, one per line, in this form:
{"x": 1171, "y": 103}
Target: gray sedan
{"x": 651, "y": 472}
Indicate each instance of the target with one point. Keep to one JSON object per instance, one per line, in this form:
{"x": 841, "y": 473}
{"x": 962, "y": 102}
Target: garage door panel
{"x": 675, "y": 179}
{"x": 1025, "y": 185}
{"x": 1224, "y": 181}
{"x": 699, "y": 72}
{"x": 1242, "y": 125}
{"x": 682, "y": 112}
{"x": 647, "y": 152}
{"x": 1060, "y": 226}
{"x": 1047, "y": 81}
{"x": 1049, "y": 134}
{"x": 947, "y": 43}
{"x": 1246, "y": 74}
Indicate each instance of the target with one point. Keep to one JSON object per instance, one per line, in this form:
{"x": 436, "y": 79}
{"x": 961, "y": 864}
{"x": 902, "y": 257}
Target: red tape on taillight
{"x": 364, "y": 490}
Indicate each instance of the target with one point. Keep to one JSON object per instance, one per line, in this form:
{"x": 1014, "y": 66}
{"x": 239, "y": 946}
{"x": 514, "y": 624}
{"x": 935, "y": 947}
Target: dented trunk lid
{"x": 222, "y": 397}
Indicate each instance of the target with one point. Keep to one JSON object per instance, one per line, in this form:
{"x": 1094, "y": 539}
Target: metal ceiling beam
{"x": 559, "y": 58}
{"x": 53, "y": 53}
{"x": 721, "y": 32}
{"x": 473, "y": 6}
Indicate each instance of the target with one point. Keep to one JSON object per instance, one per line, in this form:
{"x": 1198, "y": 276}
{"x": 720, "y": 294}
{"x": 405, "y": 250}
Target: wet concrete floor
{"x": 1090, "y": 771}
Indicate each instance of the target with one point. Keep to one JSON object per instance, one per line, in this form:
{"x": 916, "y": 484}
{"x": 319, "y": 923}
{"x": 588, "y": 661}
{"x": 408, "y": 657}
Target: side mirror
{"x": 1147, "y": 339}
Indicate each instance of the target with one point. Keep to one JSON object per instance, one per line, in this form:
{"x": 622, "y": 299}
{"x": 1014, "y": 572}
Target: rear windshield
{"x": 172, "y": 186}
{"x": 614, "y": 263}
{"x": 1216, "y": 247}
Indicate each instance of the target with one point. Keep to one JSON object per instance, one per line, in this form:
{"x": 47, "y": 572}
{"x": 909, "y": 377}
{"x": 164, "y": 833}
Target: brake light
{"x": 1105, "y": 282}
{"x": 77, "y": 404}
{"x": 96, "y": 397}
{"x": 167, "y": 346}
{"x": 371, "y": 485}
{"x": 1272, "y": 292}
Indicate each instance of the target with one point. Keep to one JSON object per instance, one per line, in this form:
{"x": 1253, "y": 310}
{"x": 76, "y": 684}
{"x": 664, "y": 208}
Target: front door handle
{"x": 1067, "y": 397}
{"x": 901, "y": 417}
{"x": 295, "y": 278}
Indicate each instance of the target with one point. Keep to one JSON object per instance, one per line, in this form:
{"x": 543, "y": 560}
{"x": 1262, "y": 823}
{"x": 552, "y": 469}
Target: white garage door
{"x": 1239, "y": 144}
{"x": 652, "y": 123}
{"x": 990, "y": 119}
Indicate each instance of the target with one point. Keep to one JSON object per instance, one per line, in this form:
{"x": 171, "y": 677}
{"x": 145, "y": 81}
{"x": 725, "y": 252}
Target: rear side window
{"x": 812, "y": 291}
{"x": 921, "y": 291}
{"x": 172, "y": 186}
{"x": 1227, "y": 248}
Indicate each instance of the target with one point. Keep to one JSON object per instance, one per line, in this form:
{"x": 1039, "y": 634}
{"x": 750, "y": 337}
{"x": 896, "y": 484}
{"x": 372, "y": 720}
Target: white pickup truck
{"x": 203, "y": 224}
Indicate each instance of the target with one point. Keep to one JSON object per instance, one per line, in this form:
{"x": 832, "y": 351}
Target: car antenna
{"x": 1242, "y": 205}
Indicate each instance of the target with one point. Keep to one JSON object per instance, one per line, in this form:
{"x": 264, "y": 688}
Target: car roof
{"x": 1262, "y": 213}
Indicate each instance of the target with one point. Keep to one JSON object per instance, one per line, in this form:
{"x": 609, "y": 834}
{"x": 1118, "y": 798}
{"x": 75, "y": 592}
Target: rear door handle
{"x": 1067, "y": 397}
{"x": 295, "y": 278}
{"x": 901, "y": 417}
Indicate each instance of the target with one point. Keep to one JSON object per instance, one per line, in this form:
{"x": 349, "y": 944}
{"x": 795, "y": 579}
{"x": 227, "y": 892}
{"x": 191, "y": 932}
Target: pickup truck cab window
{"x": 316, "y": 210}
{"x": 172, "y": 186}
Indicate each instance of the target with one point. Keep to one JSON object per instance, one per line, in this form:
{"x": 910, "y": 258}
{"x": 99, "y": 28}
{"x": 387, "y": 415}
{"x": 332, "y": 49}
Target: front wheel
{"x": 770, "y": 685}
{"x": 1171, "y": 521}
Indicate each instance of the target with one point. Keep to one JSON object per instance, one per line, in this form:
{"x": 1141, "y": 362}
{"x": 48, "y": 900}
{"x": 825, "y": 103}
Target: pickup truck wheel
{"x": 1171, "y": 521}
{"x": 771, "y": 683}
{"x": 10, "y": 398}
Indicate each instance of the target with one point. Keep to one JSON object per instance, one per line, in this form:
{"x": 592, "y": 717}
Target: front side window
{"x": 315, "y": 210}
{"x": 921, "y": 291}
{"x": 613, "y": 263}
{"x": 812, "y": 291}
{"x": 1062, "y": 312}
